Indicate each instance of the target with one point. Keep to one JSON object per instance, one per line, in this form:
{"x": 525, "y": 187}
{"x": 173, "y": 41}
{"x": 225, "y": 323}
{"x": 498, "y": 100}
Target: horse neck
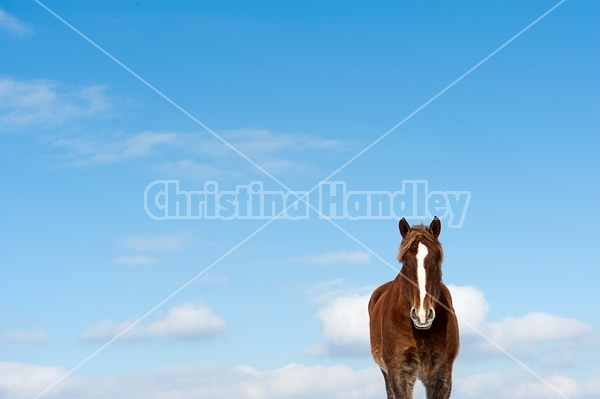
{"x": 401, "y": 288}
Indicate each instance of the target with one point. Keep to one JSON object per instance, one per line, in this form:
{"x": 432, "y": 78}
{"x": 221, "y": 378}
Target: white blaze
{"x": 422, "y": 252}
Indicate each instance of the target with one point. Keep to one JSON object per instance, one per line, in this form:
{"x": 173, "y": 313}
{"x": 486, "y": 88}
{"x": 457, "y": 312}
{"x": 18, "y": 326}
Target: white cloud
{"x": 325, "y": 291}
{"x": 279, "y": 164}
{"x": 470, "y": 306}
{"x": 190, "y": 169}
{"x": 18, "y": 380}
{"x": 13, "y": 26}
{"x": 261, "y": 143}
{"x": 518, "y": 384}
{"x": 516, "y": 335}
{"x": 88, "y": 151}
{"x": 344, "y": 319}
{"x": 537, "y": 327}
{"x": 44, "y": 103}
{"x": 345, "y": 323}
{"x": 212, "y": 279}
{"x": 161, "y": 242}
{"x": 333, "y": 257}
{"x": 34, "y": 336}
{"x": 275, "y": 152}
{"x": 205, "y": 381}
{"x": 135, "y": 260}
{"x": 181, "y": 322}
{"x": 198, "y": 381}
{"x": 187, "y": 321}
{"x": 151, "y": 243}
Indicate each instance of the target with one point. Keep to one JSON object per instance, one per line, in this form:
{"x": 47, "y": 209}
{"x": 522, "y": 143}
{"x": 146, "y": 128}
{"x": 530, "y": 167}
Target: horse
{"x": 412, "y": 324}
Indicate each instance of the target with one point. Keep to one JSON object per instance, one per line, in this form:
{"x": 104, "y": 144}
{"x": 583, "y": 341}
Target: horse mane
{"x": 420, "y": 233}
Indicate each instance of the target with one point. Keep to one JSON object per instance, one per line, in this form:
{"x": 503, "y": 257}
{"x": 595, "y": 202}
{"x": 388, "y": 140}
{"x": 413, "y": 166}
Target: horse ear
{"x": 436, "y": 227}
{"x": 404, "y": 227}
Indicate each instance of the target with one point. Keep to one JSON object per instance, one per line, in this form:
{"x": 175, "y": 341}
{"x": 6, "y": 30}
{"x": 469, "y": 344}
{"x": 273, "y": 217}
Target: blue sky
{"x": 300, "y": 89}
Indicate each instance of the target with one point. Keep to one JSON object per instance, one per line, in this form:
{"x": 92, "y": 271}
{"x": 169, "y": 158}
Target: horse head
{"x": 421, "y": 255}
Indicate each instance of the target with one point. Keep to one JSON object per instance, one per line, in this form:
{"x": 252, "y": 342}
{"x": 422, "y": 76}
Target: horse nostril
{"x": 413, "y": 313}
{"x": 430, "y": 314}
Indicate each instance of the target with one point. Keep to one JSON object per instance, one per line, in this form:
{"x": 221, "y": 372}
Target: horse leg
{"x": 388, "y": 388}
{"x": 402, "y": 377}
{"x": 438, "y": 385}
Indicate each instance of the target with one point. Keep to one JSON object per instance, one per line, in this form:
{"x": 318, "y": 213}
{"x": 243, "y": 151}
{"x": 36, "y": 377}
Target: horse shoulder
{"x": 375, "y": 322}
{"x": 452, "y": 322}
{"x": 446, "y": 297}
{"x": 377, "y": 295}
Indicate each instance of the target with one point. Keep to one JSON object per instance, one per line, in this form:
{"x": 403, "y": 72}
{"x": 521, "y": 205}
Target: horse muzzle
{"x": 422, "y": 320}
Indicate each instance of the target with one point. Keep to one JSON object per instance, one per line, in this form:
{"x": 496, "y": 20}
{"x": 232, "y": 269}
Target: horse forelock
{"x": 420, "y": 233}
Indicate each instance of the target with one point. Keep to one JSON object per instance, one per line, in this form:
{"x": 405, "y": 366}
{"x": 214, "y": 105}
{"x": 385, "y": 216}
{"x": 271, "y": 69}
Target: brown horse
{"x": 413, "y": 328}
